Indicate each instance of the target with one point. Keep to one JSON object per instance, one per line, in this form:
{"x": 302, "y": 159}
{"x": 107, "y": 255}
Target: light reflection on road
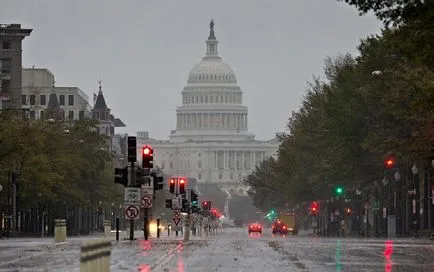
{"x": 388, "y": 251}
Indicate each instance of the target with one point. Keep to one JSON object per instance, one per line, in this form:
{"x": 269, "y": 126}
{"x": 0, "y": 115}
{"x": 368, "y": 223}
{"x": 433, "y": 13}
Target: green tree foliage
{"x": 393, "y": 11}
{"x": 57, "y": 161}
{"x": 367, "y": 106}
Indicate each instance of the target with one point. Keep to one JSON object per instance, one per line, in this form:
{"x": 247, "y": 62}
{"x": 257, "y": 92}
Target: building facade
{"x": 11, "y": 37}
{"x": 211, "y": 142}
{"x": 39, "y": 83}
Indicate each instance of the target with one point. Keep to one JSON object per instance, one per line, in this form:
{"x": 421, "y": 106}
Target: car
{"x": 280, "y": 227}
{"x": 255, "y": 227}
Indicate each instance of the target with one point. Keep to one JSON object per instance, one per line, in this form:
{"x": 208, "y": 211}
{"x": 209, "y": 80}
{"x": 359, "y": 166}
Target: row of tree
{"x": 367, "y": 106}
{"x": 55, "y": 161}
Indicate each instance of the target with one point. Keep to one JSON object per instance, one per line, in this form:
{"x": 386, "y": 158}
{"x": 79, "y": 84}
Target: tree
{"x": 366, "y": 107}
{"x": 393, "y": 11}
{"x": 57, "y": 161}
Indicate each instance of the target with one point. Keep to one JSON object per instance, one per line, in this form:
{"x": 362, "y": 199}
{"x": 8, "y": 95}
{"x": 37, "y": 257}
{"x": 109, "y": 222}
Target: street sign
{"x": 177, "y": 214}
{"x": 176, "y": 203}
{"x": 147, "y": 189}
{"x": 177, "y": 226}
{"x": 146, "y": 201}
{"x": 132, "y": 196}
{"x": 131, "y": 212}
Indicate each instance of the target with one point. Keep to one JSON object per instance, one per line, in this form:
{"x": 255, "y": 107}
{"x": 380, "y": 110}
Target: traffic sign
{"x": 177, "y": 214}
{"x": 132, "y": 196}
{"x": 147, "y": 189}
{"x": 146, "y": 201}
{"x": 176, "y": 221}
{"x": 176, "y": 203}
{"x": 131, "y": 212}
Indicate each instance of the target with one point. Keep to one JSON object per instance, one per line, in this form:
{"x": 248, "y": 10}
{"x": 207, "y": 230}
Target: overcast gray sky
{"x": 143, "y": 50}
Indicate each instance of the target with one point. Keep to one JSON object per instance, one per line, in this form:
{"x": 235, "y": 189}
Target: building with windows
{"x": 11, "y": 37}
{"x": 44, "y": 100}
{"x": 39, "y": 83}
{"x": 211, "y": 142}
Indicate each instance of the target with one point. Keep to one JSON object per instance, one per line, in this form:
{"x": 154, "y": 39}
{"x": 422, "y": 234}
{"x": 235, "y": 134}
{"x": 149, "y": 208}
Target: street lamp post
{"x": 415, "y": 179}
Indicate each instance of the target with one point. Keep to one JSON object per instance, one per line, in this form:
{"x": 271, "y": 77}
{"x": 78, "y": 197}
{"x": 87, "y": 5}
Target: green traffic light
{"x": 339, "y": 190}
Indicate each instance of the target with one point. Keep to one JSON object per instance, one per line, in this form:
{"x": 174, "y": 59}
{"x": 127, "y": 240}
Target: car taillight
{"x": 273, "y": 227}
{"x": 284, "y": 227}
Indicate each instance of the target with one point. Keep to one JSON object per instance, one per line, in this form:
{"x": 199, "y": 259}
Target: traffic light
{"x": 147, "y": 157}
{"x": 390, "y": 162}
{"x": 121, "y": 176}
{"x": 348, "y": 210}
{"x": 142, "y": 177}
{"x": 339, "y": 190}
{"x": 193, "y": 198}
{"x": 132, "y": 149}
{"x": 169, "y": 203}
{"x": 158, "y": 182}
{"x": 206, "y": 205}
{"x": 182, "y": 183}
{"x": 185, "y": 205}
{"x": 314, "y": 207}
{"x": 172, "y": 183}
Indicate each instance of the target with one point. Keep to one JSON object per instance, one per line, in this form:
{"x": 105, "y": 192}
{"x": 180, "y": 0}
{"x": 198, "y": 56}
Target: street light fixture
{"x": 414, "y": 170}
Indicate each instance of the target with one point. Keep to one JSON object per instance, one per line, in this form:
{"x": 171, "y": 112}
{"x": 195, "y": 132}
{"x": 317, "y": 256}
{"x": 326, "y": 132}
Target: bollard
{"x": 107, "y": 228}
{"x": 60, "y": 230}
{"x": 95, "y": 256}
{"x": 117, "y": 228}
{"x": 158, "y": 228}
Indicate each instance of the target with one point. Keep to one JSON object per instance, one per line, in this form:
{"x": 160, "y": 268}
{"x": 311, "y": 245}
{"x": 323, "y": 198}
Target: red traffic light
{"x": 182, "y": 181}
{"x": 147, "y": 150}
{"x": 205, "y": 203}
{"x": 390, "y": 162}
{"x": 172, "y": 181}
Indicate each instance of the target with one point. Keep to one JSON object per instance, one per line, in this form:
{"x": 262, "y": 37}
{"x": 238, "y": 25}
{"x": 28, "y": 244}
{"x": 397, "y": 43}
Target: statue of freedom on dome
{"x": 211, "y": 25}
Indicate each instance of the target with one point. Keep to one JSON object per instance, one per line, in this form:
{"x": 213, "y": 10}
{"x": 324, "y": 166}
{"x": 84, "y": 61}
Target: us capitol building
{"x": 211, "y": 142}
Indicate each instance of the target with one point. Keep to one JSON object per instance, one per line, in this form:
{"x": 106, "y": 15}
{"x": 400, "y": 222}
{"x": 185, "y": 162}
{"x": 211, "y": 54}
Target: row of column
{"x": 205, "y": 99}
{"x": 212, "y": 121}
{"x": 229, "y": 159}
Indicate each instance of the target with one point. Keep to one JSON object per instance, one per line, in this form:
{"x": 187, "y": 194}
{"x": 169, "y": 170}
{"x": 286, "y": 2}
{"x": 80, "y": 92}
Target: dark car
{"x": 280, "y": 227}
{"x": 255, "y": 227}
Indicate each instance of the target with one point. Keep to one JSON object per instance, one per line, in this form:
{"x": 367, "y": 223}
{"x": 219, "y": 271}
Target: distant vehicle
{"x": 279, "y": 227}
{"x": 289, "y": 220}
{"x": 255, "y": 227}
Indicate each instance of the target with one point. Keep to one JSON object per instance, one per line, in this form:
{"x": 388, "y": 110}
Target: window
{"x": 32, "y": 114}
{"x": 5, "y": 86}
{"x": 23, "y": 99}
{"x": 6, "y": 45}
{"x": 5, "y": 65}
{"x": 62, "y": 115}
{"x": 71, "y": 100}
{"x": 43, "y": 99}
{"x": 170, "y": 165}
{"x": 81, "y": 115}
{"x": 71, "y": 115}
{"x": 232, "y": 176}
{"x": 220, "y": 176}
{"x": 162, "y": 165}
{"x": 62, "y": 100}
{"x": 199, "y": 164}
{"x": 32, "y": 99}
{"x": 199, "y": 176}
{"x": 42, "y": 115}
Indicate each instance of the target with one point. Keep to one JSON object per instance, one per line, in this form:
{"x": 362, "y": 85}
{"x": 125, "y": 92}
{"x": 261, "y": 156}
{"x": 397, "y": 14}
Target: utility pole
{"x": 132, "y": 183}
{"x": 132, "y": 158}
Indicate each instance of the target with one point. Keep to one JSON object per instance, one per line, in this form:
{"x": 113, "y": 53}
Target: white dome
{"x": 211, "y": 70}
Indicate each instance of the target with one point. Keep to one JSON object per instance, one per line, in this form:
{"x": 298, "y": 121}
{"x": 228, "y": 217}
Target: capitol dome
{"x": 212, "y": 106}
{"x": 212, "y": 69}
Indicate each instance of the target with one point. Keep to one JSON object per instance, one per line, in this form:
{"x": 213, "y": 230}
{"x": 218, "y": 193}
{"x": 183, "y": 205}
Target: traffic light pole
{"x": 132, "y": 185}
